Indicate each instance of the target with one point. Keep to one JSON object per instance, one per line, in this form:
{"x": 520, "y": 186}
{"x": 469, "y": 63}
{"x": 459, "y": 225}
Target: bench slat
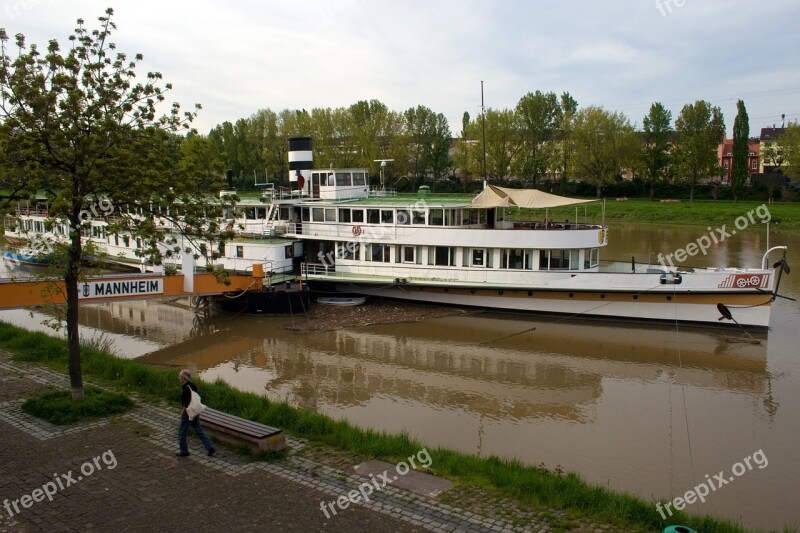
{"x": 235, "y": 424}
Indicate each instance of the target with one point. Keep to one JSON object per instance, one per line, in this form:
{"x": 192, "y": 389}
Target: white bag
{"x": 195, "y": 406}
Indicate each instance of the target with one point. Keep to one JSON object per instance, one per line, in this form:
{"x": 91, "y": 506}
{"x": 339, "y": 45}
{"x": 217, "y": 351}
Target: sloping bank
{"x": 507, "y": 477}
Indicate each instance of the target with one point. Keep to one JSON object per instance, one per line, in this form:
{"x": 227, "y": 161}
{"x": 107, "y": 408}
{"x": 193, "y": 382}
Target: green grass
{"x": 58, "y": 407}
{"x": 783, "y": 215}
{"x": 507, "y": 477}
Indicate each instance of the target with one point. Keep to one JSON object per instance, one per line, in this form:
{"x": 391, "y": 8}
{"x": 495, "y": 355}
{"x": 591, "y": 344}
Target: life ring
{"x": 356, "y": 230}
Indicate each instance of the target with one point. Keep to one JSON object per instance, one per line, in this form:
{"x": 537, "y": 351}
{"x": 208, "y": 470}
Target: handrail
{"x": 766, "y": 254}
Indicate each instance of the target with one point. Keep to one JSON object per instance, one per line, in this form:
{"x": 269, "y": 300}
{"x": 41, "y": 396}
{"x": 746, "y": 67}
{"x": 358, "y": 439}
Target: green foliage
{"x": 700, "y": 127}
{"x": 656, "y": 154}
{"x": 539, "y": 116}
{"x": 58, "y": 407}
{"x": 604, "y": 143}
{"x": 81, "y": 128}
{"x": 741, "y": 144}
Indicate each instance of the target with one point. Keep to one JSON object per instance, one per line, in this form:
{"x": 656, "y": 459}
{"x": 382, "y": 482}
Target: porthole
{"x": 500, "y": 292}
{"x": 530, "y": 293}
{"x": 602, "y": 296}
{"x": 669, "y": 298}
{"x": 571, "y": 295}
{"x": 635, "y": 296}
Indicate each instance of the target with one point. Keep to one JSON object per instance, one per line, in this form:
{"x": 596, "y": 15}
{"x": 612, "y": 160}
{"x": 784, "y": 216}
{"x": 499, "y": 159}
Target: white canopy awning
{"x": 494, "y": 196}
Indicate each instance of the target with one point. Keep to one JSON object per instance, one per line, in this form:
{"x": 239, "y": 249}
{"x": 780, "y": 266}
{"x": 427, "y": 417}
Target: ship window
{"x": 344, "y": 215}
{"x": 240, "y": 251}
{"x": 318, "y": 214}
{"x": 409, "y": 254}
{"x": 444, "y": 256}
{"x": 387, "y": 216}
{"x": 478, "y": 257}
{"x": 436, "y": 217}
{"x": 574, "y": 259}
{"x": 378, "y": 252}
{"x": 418, "y": 217}
{"x": 452, "y": 217}
{"x": 591, "y": 257}
{"x": 358, "y": 215}
{"x": 359, "y": 178}
{"x": 343, "y": 179}
{"x": 514, "y": 259}
{"x": 403, "y": 217}
{"x": 330, "y": 215}
{"x": 306, "y": 214}
{"x": 348, "y": 250}
{"x": 554, "y": 259}
{"x": 331, "y": 180}
{"x": 373, "y": 216}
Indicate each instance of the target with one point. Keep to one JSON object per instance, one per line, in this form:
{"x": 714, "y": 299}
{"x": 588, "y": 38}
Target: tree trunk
{"x": 652, "y": 190}
{"x": 599, "y": 190}
{"x": 691, "y": 192}
{"x": 73, "y": 338}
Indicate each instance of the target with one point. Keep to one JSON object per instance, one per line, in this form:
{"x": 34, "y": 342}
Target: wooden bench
{"x": 234, "y": 428}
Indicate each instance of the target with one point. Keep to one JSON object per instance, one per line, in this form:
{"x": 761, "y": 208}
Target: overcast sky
{"x": 247, "y": 55}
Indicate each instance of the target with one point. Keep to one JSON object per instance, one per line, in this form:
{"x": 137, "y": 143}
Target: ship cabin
{"x": 349, "y": 232}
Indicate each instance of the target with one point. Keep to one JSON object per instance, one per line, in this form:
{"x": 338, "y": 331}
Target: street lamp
{"x": 383, "y": 165}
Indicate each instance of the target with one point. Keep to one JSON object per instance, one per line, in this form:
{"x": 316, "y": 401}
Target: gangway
{"x": 17, "y": 293}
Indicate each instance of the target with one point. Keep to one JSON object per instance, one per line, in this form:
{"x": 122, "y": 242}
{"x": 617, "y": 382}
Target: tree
{"x": 789, "y": 152}
{"x": 604, "y": 143}
{"x": 741, "y": 146}
{"x": 503, "y": 142}
{"x": 79, "y": 128}
{"x": 428, "y": 141}
{"x": 568, "y": 109}
{"x": 538, "y": 114}
{"x": 655, "y": 154}
{"x": 700, "y": 128}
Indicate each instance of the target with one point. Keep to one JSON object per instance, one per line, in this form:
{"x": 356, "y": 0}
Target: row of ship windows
{"x": 515, "y": 259}
{"x": 402, "y": 217}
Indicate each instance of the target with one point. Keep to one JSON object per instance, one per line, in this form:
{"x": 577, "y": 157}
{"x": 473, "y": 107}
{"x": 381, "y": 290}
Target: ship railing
{"x": 549, "y": 225}
{"x": 382, "y": 193}
{"x": 316, "y": 269}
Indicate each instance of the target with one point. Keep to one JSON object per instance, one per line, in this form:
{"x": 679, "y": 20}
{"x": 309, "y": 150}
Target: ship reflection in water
{"x": 445, "y": 381}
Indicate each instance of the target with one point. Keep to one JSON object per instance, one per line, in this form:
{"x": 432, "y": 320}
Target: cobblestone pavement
{"x": 147, "y": 488}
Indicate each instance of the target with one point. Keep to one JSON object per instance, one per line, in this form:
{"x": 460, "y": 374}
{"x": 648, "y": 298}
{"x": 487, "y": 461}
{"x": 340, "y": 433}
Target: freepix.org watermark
{"x": 59, "y": 482}
{"x": 666, "y": 6}
{"x": 376, "y": 483}
{"x": 711, "y": 484}
{"x": 405, "y": 216}
{"x": 715, "y": 236}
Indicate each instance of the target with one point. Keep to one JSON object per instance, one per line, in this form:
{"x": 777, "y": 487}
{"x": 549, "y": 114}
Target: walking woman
{"x": 186, "y": 397}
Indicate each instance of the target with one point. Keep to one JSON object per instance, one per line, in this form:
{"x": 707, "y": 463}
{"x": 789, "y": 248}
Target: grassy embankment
{"x": 529, "y": 484}
{"x": 783, "y": 215}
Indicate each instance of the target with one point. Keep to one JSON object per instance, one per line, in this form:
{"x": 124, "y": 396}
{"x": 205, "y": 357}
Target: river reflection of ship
{"x": 555, "y": 371}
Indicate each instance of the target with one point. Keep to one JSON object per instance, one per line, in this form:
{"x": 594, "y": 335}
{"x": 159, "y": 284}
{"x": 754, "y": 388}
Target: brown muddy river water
{"x": 655, "y": 411}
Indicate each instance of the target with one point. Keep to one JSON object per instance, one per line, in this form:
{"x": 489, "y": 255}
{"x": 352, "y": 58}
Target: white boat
{"x": 333, "y": 230}
{"x": 342, "y": 301}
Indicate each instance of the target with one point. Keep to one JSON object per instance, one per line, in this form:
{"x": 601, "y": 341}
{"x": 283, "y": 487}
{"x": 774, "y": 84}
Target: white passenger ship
{"x": 337, "y": 234}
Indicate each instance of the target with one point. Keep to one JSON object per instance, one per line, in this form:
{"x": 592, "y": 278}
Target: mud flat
{"x": 330, "y": 317}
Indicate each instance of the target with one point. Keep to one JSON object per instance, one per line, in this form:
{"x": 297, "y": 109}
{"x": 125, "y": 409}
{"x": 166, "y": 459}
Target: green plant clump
{"x": 58, "y": 407}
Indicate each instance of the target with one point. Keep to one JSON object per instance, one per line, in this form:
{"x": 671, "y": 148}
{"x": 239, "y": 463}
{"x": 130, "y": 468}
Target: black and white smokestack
{"x": 301, "y": 161}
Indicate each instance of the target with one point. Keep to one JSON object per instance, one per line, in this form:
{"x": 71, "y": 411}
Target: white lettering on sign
{"x": 105, "y": 289}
